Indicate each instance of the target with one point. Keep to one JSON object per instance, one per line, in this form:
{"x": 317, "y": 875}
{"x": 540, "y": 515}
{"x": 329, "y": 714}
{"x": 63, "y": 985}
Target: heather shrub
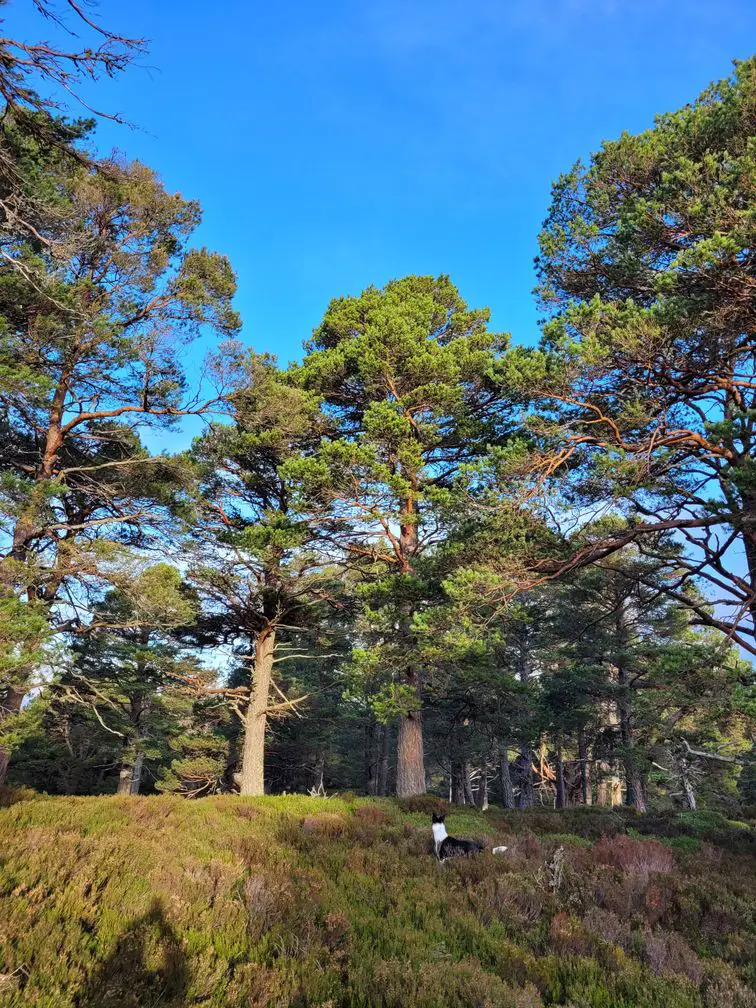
{"x": 570, "y": 839}
{"x": 371, "y": 815}
{"x": 683, "y": 843}
{"x": 427, "y": 804}
{"x": 294, "y": 902}
{"x": 11, "y": 795}
{"x": 569, "y": 936}
{"x": 326, "y": 824}
{"x": 638, "y": 857}
{"x": 669, "y": 953}
{"x": 607, "y": 925}
{"x": 722, "y": 988}
{"x": 442, "y": 984}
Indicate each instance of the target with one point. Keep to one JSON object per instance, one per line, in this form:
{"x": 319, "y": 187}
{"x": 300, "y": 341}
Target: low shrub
{"x": 11, "y": 795}
{"x": 669, "y": 953}
{"x": 570, "y": 839}
{"x": 638, "y": 857}
{"x": 427, "y": 804}
{"x": 327, "y": 824}
{"x": 688, "y": 844}
{"x": 295, "y": 901}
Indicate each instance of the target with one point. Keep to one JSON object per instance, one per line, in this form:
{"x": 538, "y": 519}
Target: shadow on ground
{"x": 147, "y": 968}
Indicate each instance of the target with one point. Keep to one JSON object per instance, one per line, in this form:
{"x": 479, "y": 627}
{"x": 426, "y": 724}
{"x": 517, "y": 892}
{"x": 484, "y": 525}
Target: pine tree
{"x": 644, "y": 382}
{"x": 406, "y": 378}
{"x": 255, "y": 564}
{"x": 91, "y": 329}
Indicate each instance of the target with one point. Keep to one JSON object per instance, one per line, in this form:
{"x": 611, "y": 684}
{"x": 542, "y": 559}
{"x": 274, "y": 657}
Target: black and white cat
{"x": 449, "y": 846}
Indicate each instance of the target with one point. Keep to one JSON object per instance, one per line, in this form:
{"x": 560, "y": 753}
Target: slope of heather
{"x": 294, "y": 901}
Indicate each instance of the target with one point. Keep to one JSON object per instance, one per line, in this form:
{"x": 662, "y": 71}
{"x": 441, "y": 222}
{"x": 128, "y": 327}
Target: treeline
{"x": 421, "y": 557}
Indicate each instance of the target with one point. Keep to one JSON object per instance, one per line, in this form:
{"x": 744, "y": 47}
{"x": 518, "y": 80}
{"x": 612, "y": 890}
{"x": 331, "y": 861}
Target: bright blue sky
{"x": 338, "y": 144}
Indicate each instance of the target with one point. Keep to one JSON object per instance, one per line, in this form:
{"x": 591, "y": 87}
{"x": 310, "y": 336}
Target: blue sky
{"x": 337, "y": 144}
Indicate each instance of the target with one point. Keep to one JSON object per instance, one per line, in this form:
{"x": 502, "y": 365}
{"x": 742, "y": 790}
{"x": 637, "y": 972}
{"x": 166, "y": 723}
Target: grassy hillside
{"x": 225, "y": 901}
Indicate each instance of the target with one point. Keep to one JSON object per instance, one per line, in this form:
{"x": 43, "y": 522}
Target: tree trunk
{"x": 507, "y": 788}
{"x": 467, "y": 783}
{"x": 561, "y": 796}
{"x": 410, "y": 760}
{"x": 371, "y": 763}
{"x": 457, "y": 794}
{"x": 383, "y": 764}
{"x": 689, "y": 794}
{"x": 633, "y": 782}
{"x": 10, "y": 706}
{"x": 252, "y": 776}
{"x": 136, "y": 773}
{"x": 483, "y": 787}
{"x": 526, "y": 798}
{"x": 130, "y": 777}
{"x": 319, "y": 785}
{"x": 585, "y": 770}
{"x": 124, "y": 780}
{"x": 609, "y": 792}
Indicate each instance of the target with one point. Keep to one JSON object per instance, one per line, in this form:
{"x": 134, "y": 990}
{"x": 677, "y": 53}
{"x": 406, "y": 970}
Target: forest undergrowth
{"x": 298, "y": 901}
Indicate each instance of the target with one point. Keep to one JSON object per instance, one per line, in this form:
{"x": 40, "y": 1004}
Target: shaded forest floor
{"x": 290, "y": 900}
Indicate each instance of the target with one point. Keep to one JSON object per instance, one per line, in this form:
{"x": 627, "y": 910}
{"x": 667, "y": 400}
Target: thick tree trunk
{"x": 252, "y": 776}
{"x": 10, "y": 705}
{"x": 609, "y": 791}
{"x": 136, "y": 773}
{"x": 130, "y": 777}
{"x": 383, "y": 764}
{"x": 526, "y": 798}
{"x": 467, "y": 783}
{"x": 634, "y": 794}
{"x": 457, "y": 795}
{"x": 507, "y": 788}
{"x": 410, "y": 759}
{"x": 585, "y": 770}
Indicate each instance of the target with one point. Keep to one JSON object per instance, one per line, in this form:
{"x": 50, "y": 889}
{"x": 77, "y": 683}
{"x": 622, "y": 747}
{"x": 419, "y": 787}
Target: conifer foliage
{"x": 419, "y": 558}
